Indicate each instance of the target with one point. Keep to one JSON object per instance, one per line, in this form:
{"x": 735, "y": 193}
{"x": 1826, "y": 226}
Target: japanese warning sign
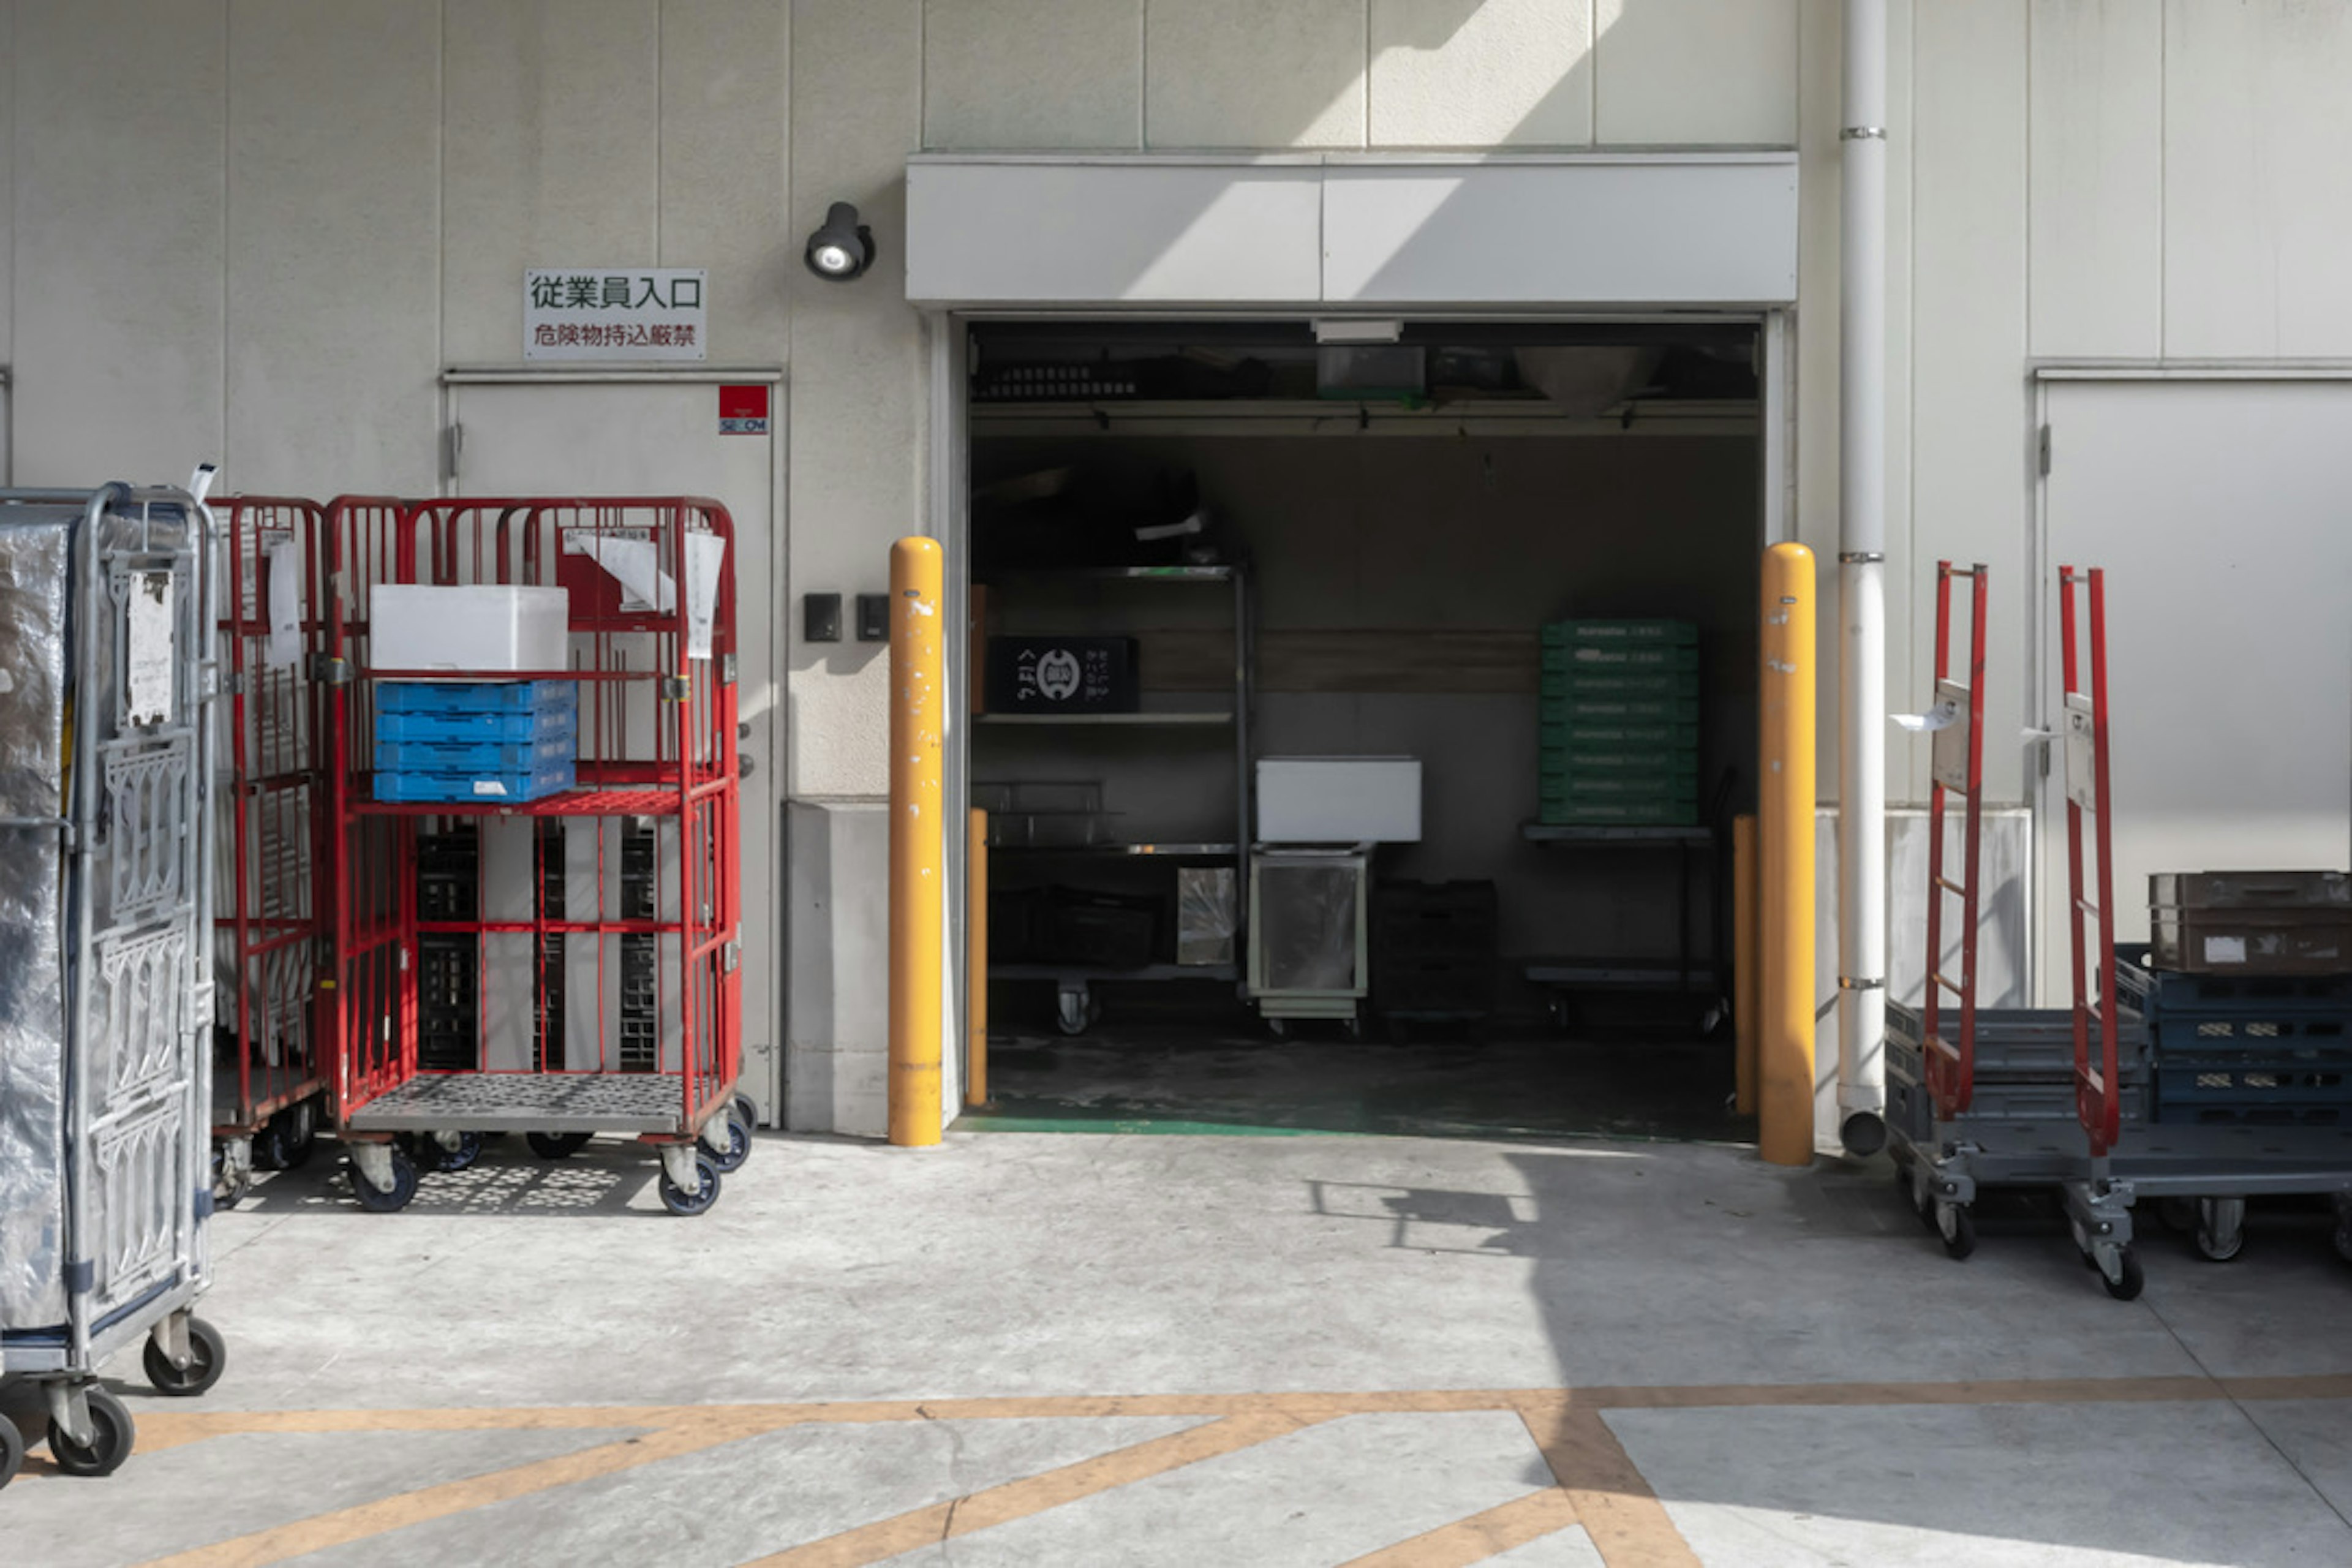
{"x": 615, "y": 313}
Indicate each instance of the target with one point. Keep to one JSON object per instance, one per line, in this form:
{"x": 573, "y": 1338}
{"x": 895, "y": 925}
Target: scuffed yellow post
{"x": 1745, "y": 963}
{"x": 975, "y": 925}
{"x": 918, "y": 839}
{"x": 1785, "y": 859}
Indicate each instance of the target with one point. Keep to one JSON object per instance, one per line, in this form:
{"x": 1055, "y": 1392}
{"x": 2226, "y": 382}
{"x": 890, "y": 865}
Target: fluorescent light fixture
{"x": 1358, "y": 329}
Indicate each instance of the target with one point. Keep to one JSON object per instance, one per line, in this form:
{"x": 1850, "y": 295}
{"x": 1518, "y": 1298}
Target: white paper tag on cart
{"x": 147, "y": 684}
{"x": 2225, "y": 950}
{"x": 706, "y": 555}
{"x": 283, "y": 561}
{"x": 627, "y": 555}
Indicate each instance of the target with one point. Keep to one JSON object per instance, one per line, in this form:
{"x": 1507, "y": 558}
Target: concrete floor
{"x": 1029, "y": 1349}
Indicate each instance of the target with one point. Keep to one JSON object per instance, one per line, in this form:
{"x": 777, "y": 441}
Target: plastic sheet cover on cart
{"x": 36, "y": 567}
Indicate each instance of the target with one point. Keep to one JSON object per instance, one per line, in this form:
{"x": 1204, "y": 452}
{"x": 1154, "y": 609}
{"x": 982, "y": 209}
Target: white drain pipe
{"x": 1862, "y": 586}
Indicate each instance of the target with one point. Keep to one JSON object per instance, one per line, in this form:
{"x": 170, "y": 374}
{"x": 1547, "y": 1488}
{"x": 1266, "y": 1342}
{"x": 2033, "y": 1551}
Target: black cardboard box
{"x": 1062, "y": 675}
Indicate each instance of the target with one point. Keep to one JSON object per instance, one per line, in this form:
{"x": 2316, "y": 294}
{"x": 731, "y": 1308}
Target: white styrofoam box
{"x": 471, "y": 629}
{"x": 1339, "y": 800}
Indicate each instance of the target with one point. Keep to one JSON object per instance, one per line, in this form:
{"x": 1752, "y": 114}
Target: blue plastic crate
{"x": 2163, "y": 993}
{"x": 505, "y": 786}
{"x": 531, "y": 697}
{"x": 482, "y": 757}
{"x": 477, "y": 729}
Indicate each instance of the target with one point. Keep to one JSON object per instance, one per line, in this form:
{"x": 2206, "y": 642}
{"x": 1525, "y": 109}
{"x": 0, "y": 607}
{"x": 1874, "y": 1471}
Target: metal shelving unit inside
{"x": 1076, "y": 1007}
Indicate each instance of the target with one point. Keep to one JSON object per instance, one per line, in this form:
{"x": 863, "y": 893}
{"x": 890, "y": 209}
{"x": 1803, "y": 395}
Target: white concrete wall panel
{"x": 1970, "y": 424}
{"x": 2097, "y": 179}
{"x": 551, "y": 131}
{"x": 1481, "y": 73}
{"x": 1170, "y": 233}
{"x": 8, "y": 62}
{"x": 725, "y": 87}
{"x": 119, "y": 237}
{"x": 1695, "y": 72}
{"x": 2257, "y": 191}
{"x": 1243, "y": 73}
{"x": 334, "y": 247}
{"x": 857, "y": 423}
{"x": 1033, "y": 74}
{"x": 1817, "y": 338}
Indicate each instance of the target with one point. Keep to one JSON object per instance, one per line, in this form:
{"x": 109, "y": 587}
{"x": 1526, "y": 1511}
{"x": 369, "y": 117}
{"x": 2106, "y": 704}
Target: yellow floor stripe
{"x": 1628, "y": 1525}
{"x": 1480, "y": 1536}
{"x": 344, "y": 1525}
{"x": 1035, "y": 1494}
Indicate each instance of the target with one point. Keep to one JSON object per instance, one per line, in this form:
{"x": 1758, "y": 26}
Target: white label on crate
{"x": 488, "y": 786}
{"x": 2225, "y": 950}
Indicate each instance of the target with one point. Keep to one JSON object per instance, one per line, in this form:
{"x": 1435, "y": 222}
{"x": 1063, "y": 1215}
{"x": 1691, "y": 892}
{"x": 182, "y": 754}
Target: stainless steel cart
{"x": 106, "y": 610}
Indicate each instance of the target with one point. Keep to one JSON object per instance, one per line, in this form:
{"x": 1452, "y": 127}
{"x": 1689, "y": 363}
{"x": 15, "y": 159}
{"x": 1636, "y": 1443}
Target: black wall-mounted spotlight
{"x": 843, "y": 248}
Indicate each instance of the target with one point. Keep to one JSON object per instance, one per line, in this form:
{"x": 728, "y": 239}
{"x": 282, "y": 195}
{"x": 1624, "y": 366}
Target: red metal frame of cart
{"x": 269, "y": 888}
{"x": 657, "y": 747}
{"x": 2098, "y": 1101}
{"x": 1956, "y": 766}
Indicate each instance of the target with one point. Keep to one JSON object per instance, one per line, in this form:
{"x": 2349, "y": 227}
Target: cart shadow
{"x": 506, "y": 1179}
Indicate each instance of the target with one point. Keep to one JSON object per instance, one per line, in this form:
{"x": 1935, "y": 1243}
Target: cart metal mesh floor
{"x": 528, "y": 1102}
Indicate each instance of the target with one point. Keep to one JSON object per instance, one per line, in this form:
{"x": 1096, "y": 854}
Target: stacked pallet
{"x": 1621, "y": 723}
{"x": 2024, "y": 1071}
{"x": 2248, "y": 992}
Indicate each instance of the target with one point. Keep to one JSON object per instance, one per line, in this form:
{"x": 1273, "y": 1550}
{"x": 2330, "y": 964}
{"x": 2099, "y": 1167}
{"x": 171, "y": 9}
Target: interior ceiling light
{"x": 842, "y": 247}
{"x": 1358, "y": 329}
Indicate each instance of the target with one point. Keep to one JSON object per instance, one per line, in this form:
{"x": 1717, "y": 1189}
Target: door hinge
{"x": 2041, "y": 453}
{"x": 457, "y": 447}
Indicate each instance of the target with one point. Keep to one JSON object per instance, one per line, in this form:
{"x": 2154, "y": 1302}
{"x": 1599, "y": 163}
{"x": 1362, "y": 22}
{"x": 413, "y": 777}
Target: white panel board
{"x": 1600, "y": 231}
{"x": 2258, "y": 192}
{"x": 550, "y": 130}
{"x": 1481, "y": 73}
{"x": 1151, "y": 231}
{"x": 2228, "y": 654}
{"x": 1243, "y": 73}
{"x": 125, "y": 349}
{"x": 2097, "y": 140}
{"x": 1695, "y": 72}
{"x": 725, "y": 69}
{"x": 334, "y": 257}
{"x": 1033, "y": 74}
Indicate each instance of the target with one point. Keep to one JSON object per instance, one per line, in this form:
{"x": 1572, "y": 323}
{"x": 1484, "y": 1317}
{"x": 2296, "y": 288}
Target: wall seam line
{"x": 2163, "y": 177}
{"x": 229, "y": 227}
{"x": 661, "y": 17}
{"x": 1143, "y": 76}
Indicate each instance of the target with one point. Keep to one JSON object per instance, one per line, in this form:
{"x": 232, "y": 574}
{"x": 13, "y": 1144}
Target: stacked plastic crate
{"x": 1435, "y": 949}
{"x": 2248, "y": 992}
{"x": 1621, "y": 723}
{"x": 476, "y": 740}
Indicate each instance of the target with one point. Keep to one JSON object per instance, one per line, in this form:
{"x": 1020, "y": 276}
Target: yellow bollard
{"x": 919, "y": 695}
{"x": 1784, "y": 1056}
{"x": 1745, "y": 963}
{"x": 975, "y": 925}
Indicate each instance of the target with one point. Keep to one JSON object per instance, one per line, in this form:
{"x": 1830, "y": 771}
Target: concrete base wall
{"x": 837, "y": 1023}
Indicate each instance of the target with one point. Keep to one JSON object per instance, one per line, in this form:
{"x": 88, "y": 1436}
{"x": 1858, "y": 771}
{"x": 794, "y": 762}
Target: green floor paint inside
{"x": 1172, "y": 1081}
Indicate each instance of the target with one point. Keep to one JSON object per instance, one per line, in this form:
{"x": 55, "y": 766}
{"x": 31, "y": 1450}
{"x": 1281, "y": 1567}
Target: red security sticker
{"x": 744, "y": 409}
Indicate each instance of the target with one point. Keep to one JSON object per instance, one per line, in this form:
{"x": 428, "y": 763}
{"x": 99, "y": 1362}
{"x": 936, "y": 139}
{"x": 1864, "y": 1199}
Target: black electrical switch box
{"x": 872, "y": 618}
{"x": 820, "y": 617}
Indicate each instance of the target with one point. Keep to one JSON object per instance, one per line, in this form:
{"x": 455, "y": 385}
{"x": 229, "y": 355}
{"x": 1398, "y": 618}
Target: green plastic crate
{"x": 1571, "y": 733}
{"x": 1562, "y": 634}
{"x": 1620, "y": 707}
{"x": 1654, "y": 763}
{"x": 1582, "y": 786}
{"x": 1621, "y": 682}
{"x": 1618, "y": 814}
{"x": 1616, "y": 657}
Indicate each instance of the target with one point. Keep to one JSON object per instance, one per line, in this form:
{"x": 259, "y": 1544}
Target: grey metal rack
{"x": 1681, "y": 972}
{"x": 1075, "y": 1008}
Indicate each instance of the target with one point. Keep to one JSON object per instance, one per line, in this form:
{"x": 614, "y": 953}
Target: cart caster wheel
{"x": 208, "y": 1359}
{"x": 2178, "y": 1215}
{"x": 2220, "y": 1229}
{"x": 228, "y": 1191}
{"x": 403, "y": 1187}
{"x": 680, "y": 1202}
{"x": 1278, "y": 1027}
{"x": 730, "y": 1155}
{"x": 1959, "y": 1229}
{"x": 2127, "y": 1286}
{"x": 298, "y": 1136}
{"x": 557, "y": 1145}
{"x": 111, "y": 1437}
{"x": 1076, "y": 1015}
{"x": 1923, "y": 1197}
{"x": 468, "y": 1150}
{"x": 747, "y": 1109}
{"x": 1355, "y": 1027}
{"x": 12, "y": 1451}
{"x": 269, "y": 1148}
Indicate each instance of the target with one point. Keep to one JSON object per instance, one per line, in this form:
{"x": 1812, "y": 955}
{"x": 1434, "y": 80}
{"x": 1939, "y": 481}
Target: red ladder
{"x": 1958, "y": 766}
{"x": 2097, "y": 1102}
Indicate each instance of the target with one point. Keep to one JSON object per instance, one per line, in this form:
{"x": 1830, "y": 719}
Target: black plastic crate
{"x": 1110, "y": 931}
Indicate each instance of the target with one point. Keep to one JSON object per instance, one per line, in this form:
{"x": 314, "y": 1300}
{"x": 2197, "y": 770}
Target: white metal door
{"x": 662, "y": 437}
{"x": 2222, "y": 513}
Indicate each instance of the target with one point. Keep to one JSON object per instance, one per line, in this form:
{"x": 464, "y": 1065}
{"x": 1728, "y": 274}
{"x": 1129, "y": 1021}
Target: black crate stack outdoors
{"x": 1620, "y": 711}
{"x": 2247, "y": 990}
{"x": 1436, "y": 948}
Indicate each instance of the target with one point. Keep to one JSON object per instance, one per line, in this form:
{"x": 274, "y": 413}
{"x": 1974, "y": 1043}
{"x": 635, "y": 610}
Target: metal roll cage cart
{"x": 106, "y": 1008}
{"x": 270, "y": 1079}
{"x": 593, "y": 973}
